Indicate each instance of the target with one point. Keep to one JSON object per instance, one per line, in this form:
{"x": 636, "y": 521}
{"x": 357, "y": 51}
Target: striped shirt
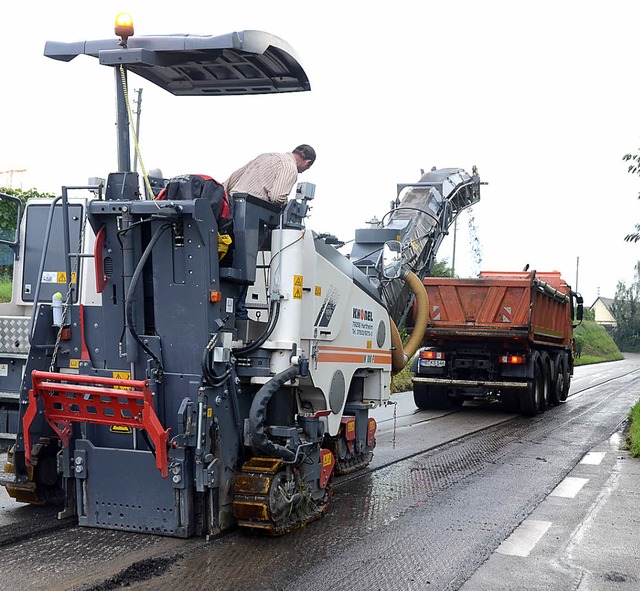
{"x": 268, "y": 176}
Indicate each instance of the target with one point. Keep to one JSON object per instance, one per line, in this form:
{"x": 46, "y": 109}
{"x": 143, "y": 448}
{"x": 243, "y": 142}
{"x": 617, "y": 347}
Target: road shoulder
{"x": 583, "y": 536}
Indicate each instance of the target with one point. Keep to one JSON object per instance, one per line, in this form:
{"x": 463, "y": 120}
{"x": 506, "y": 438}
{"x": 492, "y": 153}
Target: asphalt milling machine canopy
{"x": 238, "y": 63}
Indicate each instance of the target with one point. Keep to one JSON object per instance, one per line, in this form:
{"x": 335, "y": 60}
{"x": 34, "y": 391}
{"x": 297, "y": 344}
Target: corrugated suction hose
{"x": 400, "y": 355}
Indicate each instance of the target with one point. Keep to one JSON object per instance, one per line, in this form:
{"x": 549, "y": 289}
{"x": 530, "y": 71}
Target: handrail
{"x": 43, "y": 256}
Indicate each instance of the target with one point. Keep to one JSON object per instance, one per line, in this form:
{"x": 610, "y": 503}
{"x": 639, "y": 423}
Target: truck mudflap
{"x": 469, "y": 383}
{"x": 71, "y": 398}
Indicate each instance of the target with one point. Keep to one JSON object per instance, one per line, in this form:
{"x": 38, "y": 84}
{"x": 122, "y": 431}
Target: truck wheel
{"x": 556, "y": 389}
{"x": 528, "y": 403}
{"x": 532, "y": 397}
{"x": 456, "y": 401}
{"x": 510, "y": 401}
{"x": 430, "y": 397}
{"x": 557, "y": 383}
{"x": 421, "y": 396}
{"x": 566, "y": 381}
{"x": 545, "y": 371}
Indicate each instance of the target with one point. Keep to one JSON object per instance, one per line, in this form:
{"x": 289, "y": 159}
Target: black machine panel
{"x": 53, "y": 277}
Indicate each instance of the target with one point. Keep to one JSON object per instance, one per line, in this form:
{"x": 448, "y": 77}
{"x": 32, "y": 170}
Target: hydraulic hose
{"x": 400, "y": 355}
{"x": 257, "y": 416}
{"x": 274, "y": 314}
{"x": 129, "y": 297}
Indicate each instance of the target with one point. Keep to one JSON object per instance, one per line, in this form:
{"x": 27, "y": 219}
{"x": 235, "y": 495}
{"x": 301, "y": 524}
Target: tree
{"x": 626, "y": 311}
{"x": 8, "y": 209}
{"x": 634, "y": 168}
{"x": 441, "y": 269}
{"x": 9, "y": 221}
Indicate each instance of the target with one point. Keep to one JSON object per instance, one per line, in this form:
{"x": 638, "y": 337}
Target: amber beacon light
{"x": 124, "y": 27}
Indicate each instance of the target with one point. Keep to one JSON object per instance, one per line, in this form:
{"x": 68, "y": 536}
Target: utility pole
{"x": 455, "y": 237}
{"x": 137, "y": 138}
{"x": 577, "y": 268}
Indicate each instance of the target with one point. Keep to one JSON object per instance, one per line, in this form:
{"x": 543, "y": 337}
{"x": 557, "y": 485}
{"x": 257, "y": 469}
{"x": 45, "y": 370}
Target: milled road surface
{"x": 443, "y": 492}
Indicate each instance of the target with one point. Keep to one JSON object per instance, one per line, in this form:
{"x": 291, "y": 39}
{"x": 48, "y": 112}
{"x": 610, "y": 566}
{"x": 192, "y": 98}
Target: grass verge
{"x": 594, "y": 344}
{"x": 633, "y": 433}
{"x": 5, "y": 288}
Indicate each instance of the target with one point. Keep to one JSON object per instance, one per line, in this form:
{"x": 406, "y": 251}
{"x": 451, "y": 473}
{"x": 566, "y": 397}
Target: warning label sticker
{"x": 122, "y": 375}
{"x": 56, "y": 277}
{"x": 297, "y": 287}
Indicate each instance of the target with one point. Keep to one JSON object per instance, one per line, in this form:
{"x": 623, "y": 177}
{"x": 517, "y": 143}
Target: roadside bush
{"x": 401, "y": 382}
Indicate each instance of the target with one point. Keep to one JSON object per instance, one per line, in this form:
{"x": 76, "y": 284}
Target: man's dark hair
{"x": 306, "y": 152}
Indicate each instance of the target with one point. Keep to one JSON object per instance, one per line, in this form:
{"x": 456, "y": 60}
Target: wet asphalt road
{"x": 444, "y": 490}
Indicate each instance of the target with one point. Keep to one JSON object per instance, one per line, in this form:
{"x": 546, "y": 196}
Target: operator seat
{"x": 250, "y": 216}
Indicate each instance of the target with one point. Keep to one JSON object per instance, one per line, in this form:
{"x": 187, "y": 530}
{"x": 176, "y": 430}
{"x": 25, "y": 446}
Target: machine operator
{"x": 271, "y": 176}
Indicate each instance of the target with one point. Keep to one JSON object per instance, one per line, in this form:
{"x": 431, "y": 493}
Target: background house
{"x": 602, "y": 310}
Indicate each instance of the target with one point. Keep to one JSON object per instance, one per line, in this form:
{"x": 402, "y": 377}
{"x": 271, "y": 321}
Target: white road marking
{"x": 524, "y": 538}
{"x": 593, "y": 458}
{"x": 569, "y": 487}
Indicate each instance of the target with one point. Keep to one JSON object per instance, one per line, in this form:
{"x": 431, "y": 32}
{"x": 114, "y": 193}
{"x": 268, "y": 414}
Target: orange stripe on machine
{"x": 353, "y": 355}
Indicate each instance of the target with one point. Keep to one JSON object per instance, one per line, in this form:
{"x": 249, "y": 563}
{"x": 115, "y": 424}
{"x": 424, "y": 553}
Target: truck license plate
{"x": 432, "y": 362}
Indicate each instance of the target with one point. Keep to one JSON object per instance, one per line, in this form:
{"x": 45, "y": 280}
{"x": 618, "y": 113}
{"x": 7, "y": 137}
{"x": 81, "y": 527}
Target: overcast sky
{"x": 541, "y": 96}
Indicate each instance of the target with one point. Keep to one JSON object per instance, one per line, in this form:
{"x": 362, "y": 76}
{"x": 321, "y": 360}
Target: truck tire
{"x": 528, "y": 403}
{"x": 456, "y": 401}
{"x": 557, "y": 382}
{"x": 546, "y": 364}
{"x": 421, "y": 396}
{"x": 532, "y": 397}
{"x": 562, "y": 381}
{"x": 430, "y": 397}
{"x": 510, "y": 401}
{"x": 566, "y": 380}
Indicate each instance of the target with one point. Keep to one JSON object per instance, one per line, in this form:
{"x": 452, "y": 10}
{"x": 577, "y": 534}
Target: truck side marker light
{"x": 215, "y": 296}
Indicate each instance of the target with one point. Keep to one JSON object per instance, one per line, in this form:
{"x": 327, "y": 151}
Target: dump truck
{"x": 504, "y": 336}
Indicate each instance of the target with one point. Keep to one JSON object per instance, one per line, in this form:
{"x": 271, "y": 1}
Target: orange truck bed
{"x": 513, "y": 305}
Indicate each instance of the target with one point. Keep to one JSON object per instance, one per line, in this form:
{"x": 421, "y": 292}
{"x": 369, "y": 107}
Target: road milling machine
{"x": 146, "y": 404}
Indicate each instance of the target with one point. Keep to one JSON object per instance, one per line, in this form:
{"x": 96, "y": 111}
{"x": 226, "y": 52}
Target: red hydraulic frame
{"x": 71, "y": 398}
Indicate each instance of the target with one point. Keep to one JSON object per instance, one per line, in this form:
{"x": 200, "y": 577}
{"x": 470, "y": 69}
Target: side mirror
{"x": 392, "y": 259}
{"x": 11, "y": 212}
{"x": 580, "y": 308}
